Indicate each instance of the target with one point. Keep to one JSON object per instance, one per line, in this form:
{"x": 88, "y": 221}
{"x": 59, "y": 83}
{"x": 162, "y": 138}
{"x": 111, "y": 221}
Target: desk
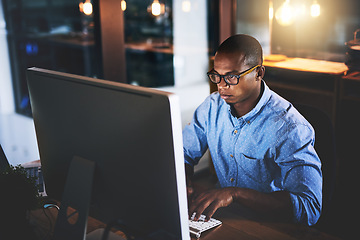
{"x": 305, "y": 65}
{"x": 306, "y": 81}
{"x": 238, "y": 223}
{"x": 43, "y": 222}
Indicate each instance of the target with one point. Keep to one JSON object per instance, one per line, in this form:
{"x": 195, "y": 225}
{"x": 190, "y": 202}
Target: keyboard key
{"x": 200, "y": 226}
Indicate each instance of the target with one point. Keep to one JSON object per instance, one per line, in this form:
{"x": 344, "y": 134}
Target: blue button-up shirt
{"x": 269, "y": 149}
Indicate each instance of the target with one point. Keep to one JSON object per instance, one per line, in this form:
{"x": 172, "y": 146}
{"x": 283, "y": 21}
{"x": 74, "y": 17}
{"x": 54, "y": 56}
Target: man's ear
{"x": 260, "y": 73}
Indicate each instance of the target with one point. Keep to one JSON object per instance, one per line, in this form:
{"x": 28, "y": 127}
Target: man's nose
{"x": 222, "y": 83}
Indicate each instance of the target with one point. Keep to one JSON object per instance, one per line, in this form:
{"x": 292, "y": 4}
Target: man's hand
{"x": 189, "y": 190}
{"x": 208, "y": 202}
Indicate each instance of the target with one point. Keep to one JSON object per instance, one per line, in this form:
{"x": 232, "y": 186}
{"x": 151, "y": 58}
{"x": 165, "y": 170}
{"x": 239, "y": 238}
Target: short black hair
{"x": 243, "y": 44}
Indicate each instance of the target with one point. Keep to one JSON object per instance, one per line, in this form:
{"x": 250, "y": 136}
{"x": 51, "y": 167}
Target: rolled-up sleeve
{"x": 304, "y": 184}
{"x": 301, "y": 173}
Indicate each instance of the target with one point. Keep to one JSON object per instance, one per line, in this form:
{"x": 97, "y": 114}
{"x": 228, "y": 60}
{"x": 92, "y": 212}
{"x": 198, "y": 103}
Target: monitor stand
{"x": 77, "y": 195}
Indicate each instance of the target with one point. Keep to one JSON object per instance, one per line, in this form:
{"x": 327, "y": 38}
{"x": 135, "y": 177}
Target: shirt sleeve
{"x": 194, "y": 135}
{"x": 301, "y": 173}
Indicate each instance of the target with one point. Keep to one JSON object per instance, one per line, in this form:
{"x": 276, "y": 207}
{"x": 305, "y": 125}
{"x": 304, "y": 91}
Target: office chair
{"x": 326, "y": 150}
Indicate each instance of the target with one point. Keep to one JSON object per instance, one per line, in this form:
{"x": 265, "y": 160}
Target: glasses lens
{"x": 214, "y": 77}
{"x": 232, "y": 80}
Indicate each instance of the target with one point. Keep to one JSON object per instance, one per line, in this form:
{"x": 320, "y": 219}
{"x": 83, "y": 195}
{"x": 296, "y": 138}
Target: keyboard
{"x": 200, "y": 226}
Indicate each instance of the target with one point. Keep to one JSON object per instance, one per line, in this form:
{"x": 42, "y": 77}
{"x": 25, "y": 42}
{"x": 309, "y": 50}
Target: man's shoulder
{"x": 284, "y": 113}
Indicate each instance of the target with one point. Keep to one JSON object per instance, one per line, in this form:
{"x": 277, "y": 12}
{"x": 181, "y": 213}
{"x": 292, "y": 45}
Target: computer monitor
{"x": 4, "y": 163}
{"x": 132, "y": 134}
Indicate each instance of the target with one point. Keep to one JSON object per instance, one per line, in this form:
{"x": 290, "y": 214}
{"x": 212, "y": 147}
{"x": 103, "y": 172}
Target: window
{"x": 148, "y": 36}
{"x": 51, "y": 34}
{"x": 166, "y": 42}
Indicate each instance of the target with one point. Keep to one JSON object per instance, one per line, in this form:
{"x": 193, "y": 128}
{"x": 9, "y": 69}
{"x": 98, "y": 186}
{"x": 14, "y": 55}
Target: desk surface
{"x": 305, "y": 64}
{"x": 238, "y": 223}
{"x": 242, "y": 223}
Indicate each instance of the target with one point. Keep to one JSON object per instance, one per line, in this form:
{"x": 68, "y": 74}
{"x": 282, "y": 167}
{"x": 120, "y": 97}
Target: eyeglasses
{"x": 229, "y": 79}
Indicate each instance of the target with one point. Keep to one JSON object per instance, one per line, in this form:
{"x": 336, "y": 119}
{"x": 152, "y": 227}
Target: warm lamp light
{"x": 271, "y": 17}
{"x": 271, "y": 11}
{"x": 315, "y": 9}
{"x": 123, "y": 5}
{"x": 300, "y": 10}
{"x": 287, "y": 13}
{"x": 157, "y": 8}
{"x": 284, "y": 15}
{"x": 86, "y": 7}
{"x": 186, "y": 6}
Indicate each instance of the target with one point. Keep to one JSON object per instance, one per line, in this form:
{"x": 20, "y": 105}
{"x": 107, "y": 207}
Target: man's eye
{"x": 230, "y": 77}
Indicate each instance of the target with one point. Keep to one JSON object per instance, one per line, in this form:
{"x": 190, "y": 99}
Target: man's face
{"x": 247, "y": 89}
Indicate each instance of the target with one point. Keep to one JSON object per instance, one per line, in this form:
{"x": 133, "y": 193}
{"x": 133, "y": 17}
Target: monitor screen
{"x": 132, "y": 134}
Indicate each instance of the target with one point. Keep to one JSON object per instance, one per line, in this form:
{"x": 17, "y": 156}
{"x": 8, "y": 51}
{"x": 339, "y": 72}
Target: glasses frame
{"x": 238, "y": 76}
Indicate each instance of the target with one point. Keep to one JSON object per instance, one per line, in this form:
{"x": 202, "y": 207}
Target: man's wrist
{"x": 234, "y": 192}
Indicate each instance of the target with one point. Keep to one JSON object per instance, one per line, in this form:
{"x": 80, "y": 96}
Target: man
{"x": 261, "y": 147}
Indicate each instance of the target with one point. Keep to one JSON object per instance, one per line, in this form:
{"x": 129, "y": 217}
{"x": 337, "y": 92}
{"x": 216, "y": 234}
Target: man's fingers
{"x": 199, "y": 207}
{"x": 190, "y": 194}
{"x": 207, "y": 203}
{"x": 190, "y": 191}
{"x": 211, "y": 210}
{"x": 195, "y": 202}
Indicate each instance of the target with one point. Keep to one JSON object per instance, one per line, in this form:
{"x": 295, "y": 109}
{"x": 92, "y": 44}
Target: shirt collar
{"x": 250, "y": 116}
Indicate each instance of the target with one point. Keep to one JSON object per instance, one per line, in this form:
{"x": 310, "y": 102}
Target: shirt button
{"x": 236, "y": 131}
{"x": 231, "y": 155}
{"x": 232, "y": 179}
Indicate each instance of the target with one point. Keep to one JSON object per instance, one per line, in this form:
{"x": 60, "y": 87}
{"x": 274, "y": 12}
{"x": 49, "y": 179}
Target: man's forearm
{"x": 274, "y": 204}
{"x": 189, "y": 172}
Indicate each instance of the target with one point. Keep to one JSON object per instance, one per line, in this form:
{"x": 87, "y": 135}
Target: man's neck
{"x": 240, "y": 109}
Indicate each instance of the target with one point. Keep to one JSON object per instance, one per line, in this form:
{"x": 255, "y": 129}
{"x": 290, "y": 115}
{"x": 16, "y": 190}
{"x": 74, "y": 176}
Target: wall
{"x": 17, "y": 133}
{"x": 6, "y": 93}
{"x": 190, "y": 42}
